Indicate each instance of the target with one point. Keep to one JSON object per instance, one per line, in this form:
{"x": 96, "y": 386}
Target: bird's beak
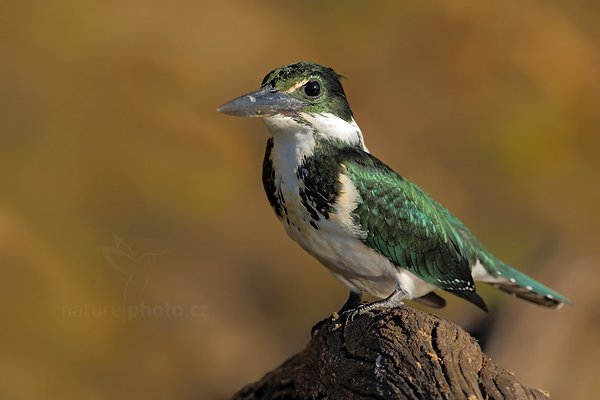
{"x": 265, "y": 102}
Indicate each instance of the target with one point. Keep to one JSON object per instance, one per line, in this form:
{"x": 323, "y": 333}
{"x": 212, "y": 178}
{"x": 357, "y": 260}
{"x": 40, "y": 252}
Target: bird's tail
{"x": 520, "y": 285}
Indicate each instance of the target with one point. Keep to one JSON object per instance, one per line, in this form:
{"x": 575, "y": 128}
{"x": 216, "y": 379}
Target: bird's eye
{"x": 312, "y": 89}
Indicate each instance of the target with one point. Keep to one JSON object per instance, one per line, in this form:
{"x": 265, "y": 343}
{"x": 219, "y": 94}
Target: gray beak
{"x": 265, "y": 102}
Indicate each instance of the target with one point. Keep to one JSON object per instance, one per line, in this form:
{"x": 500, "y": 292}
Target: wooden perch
{"x": 389, "y": 354}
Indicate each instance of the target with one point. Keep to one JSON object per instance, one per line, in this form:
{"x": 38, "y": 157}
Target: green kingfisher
{"x": 372, "y": 228}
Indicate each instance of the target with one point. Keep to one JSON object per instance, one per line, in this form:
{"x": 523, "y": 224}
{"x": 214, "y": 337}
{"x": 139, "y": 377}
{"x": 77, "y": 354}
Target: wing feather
{"x": 411, "y": 229}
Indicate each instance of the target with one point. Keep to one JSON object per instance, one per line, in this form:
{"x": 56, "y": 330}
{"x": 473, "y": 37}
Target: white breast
{"x": 336, "y": 243}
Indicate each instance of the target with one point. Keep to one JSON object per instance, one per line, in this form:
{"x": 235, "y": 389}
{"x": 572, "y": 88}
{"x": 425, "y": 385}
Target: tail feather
{"x": 525, "y": 294}
{"x": 522, "y": 286}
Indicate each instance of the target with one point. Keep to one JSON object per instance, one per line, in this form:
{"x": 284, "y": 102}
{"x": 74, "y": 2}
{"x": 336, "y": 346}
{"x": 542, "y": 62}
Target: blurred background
{"x": 139, "y": 257}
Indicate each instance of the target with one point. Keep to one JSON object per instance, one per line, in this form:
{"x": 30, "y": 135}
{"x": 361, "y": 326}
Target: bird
{"x": 373, "y": 229}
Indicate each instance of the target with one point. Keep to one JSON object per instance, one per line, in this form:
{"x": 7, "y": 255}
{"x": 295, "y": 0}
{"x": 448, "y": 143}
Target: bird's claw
{"x": 358, "y": 310}
{"x": 365, "y": 307}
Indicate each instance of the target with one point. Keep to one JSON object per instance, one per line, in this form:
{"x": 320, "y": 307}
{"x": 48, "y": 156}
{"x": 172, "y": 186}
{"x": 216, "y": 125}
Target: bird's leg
{"x": 353, "y": 301}
{"x": 392, "y": 301}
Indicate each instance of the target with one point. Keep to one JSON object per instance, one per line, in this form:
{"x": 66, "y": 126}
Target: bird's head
{"x": 293, "y": 90}
{"x": 305, "y": 101}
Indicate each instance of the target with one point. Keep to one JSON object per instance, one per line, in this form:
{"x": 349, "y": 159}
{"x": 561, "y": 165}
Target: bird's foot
{"x": 353, "y": 301}
{"x": 392, "y": 301}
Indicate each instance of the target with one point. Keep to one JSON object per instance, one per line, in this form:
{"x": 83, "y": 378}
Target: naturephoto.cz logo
{"x": 136, "y": 271}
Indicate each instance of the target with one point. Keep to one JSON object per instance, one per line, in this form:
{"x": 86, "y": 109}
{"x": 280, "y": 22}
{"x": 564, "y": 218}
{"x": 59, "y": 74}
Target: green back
{"x": 411, "y": 229}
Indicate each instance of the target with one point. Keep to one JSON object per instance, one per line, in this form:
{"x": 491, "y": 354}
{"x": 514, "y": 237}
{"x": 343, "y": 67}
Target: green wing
{"x": 411, "y": 229}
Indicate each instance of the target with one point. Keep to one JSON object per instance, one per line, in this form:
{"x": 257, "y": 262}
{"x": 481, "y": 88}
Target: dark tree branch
{"x": 393, "y": 354}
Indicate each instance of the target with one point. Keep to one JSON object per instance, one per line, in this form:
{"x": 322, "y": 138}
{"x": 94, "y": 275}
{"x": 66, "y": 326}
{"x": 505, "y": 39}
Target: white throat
{"x": 330, "y": 127}
{"x": 298, "y": 138}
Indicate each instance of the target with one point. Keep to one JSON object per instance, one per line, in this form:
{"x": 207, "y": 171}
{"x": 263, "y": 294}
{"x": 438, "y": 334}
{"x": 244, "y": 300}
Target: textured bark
{"x": 393, "y": 354}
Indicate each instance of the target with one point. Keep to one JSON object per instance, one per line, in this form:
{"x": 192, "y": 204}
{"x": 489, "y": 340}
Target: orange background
{"x": 108, "y": 131}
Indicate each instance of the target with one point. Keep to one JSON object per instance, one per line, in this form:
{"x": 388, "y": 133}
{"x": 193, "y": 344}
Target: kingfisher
{"x": 373, "y": 229}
